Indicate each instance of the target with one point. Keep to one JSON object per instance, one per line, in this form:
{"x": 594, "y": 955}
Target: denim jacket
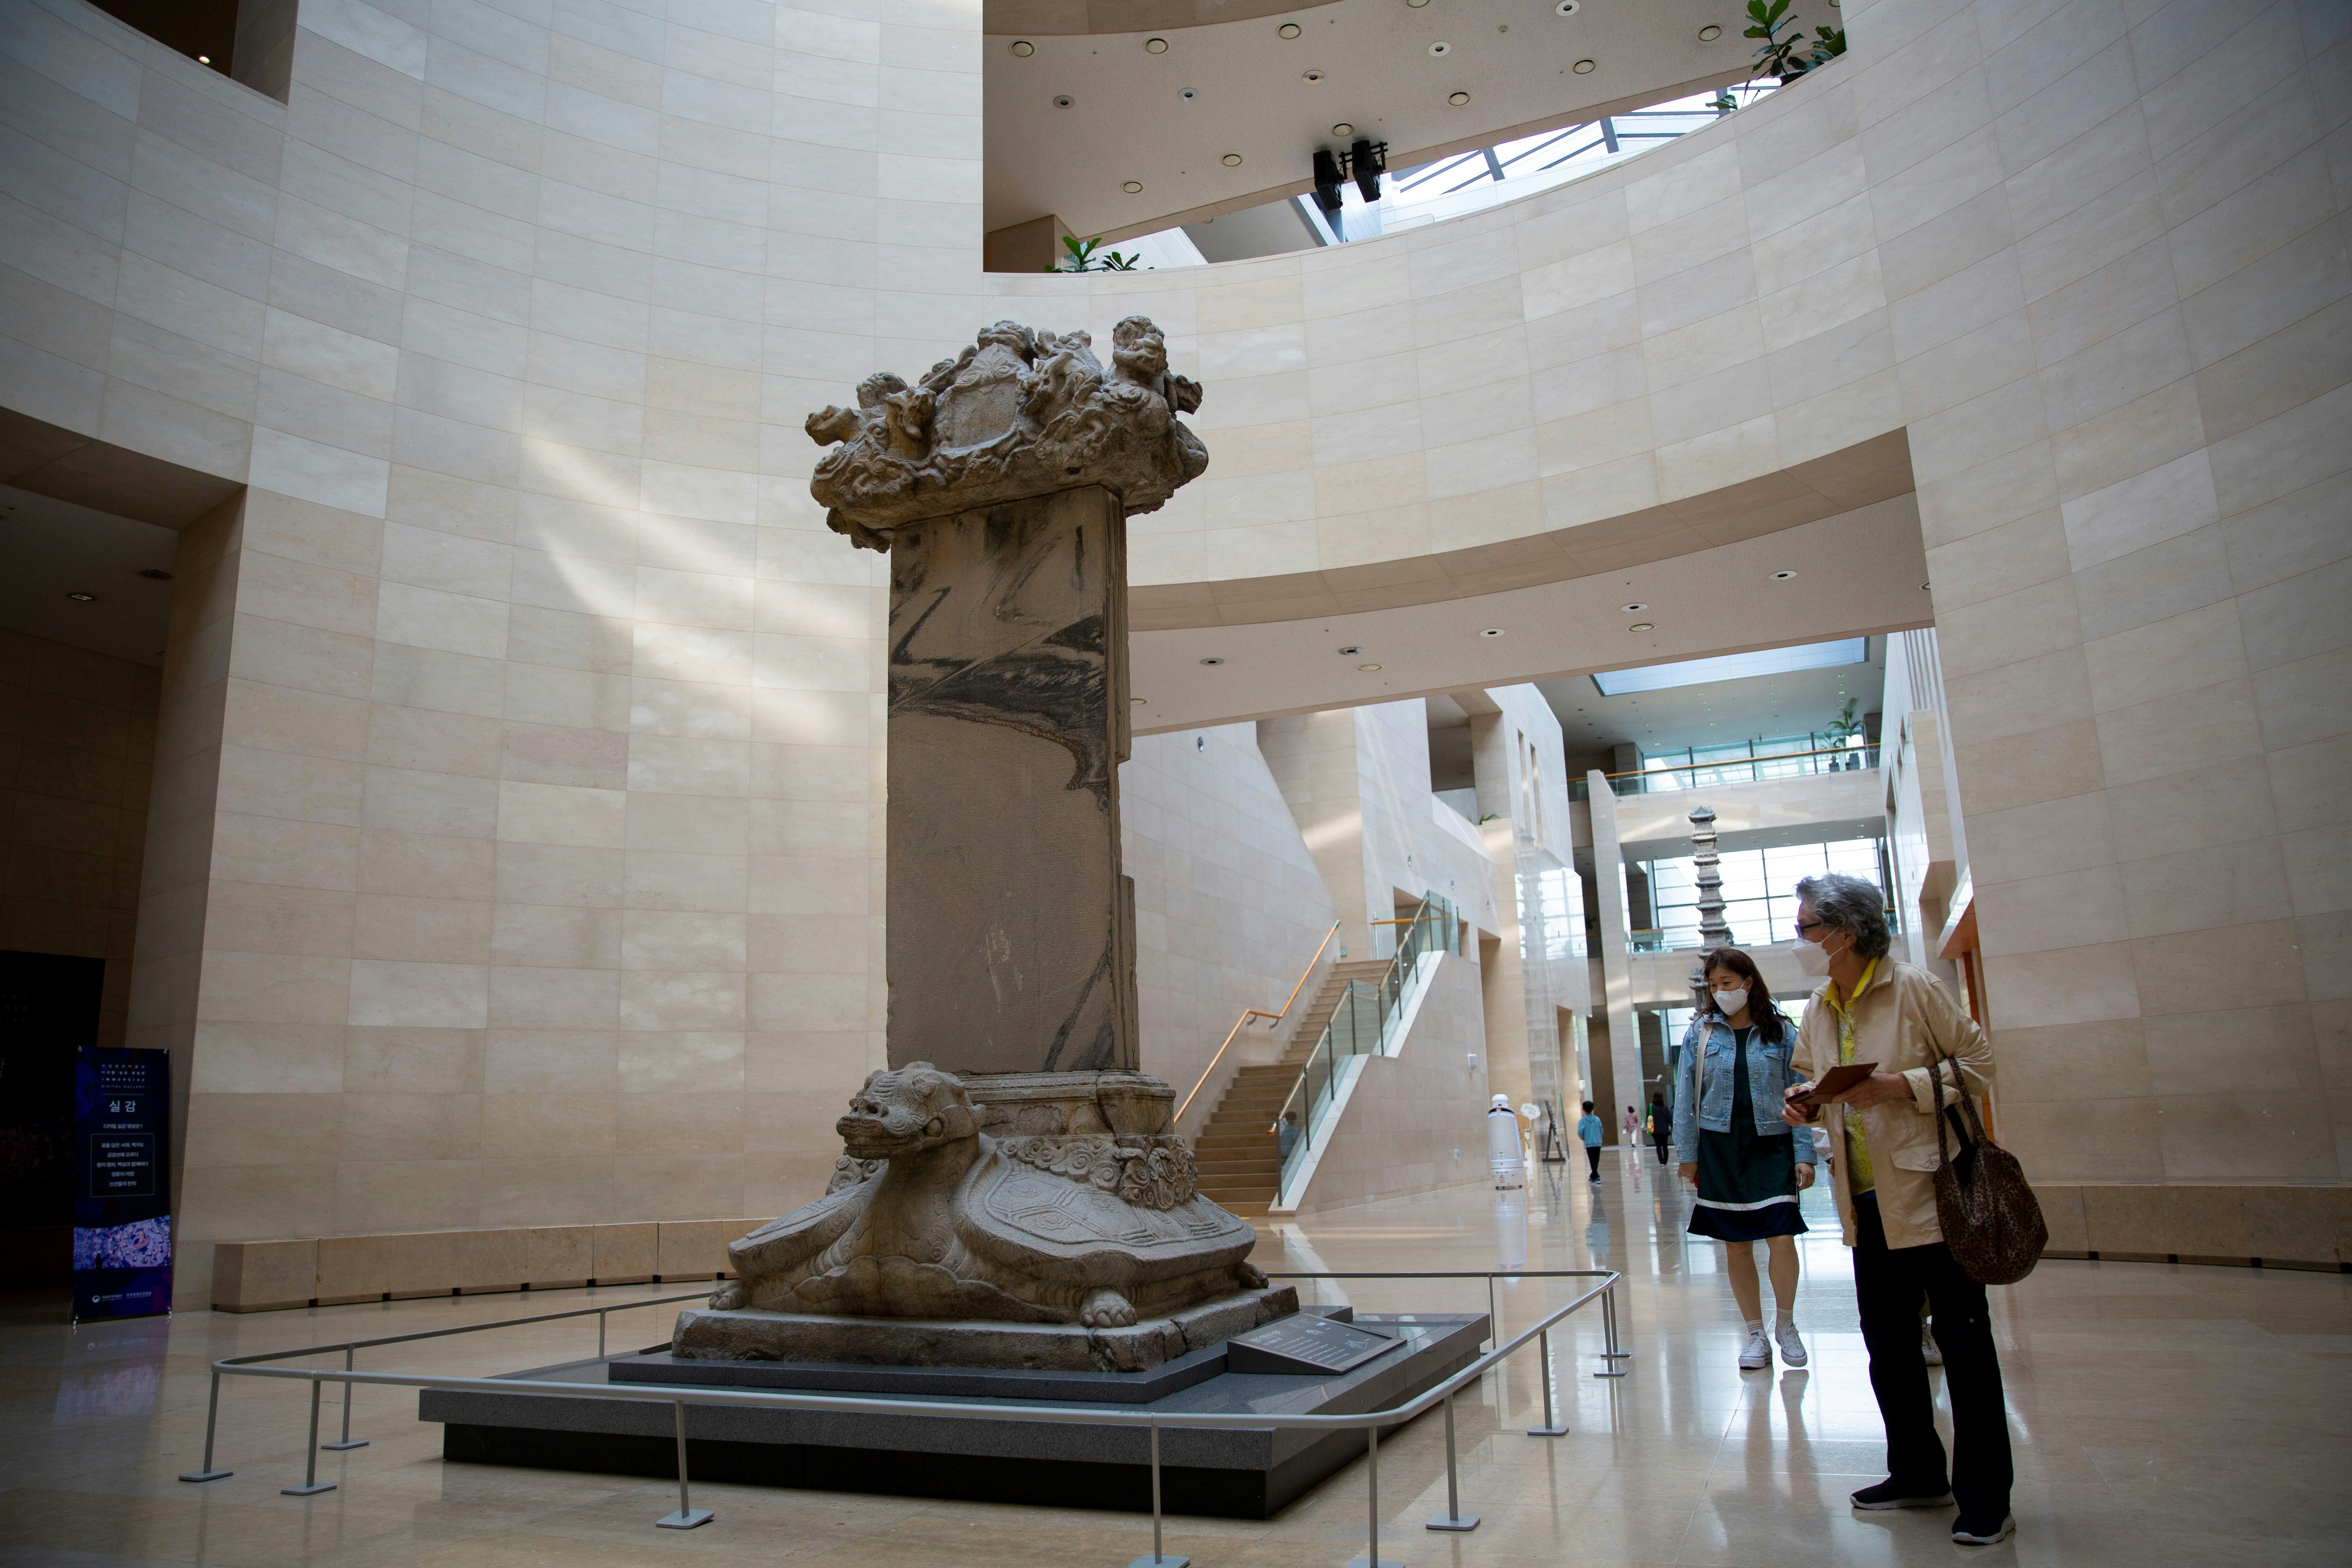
{"x": 1703, "y": 1081}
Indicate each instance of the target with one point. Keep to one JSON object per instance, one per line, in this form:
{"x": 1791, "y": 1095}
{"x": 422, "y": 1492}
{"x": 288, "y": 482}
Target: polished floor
{"x": 2160, "y": 1414}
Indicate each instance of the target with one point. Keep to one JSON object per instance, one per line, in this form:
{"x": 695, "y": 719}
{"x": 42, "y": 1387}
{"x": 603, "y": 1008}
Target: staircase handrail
{"x": 1386, "y": 999}
{"x": 1271, "y": 1018}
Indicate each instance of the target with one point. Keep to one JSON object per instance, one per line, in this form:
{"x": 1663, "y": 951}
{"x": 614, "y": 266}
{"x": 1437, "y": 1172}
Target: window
{"x": 1759, "y": 888}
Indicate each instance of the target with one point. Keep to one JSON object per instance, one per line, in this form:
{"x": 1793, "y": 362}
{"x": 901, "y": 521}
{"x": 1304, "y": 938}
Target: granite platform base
{"x": 1237, "y": 1473}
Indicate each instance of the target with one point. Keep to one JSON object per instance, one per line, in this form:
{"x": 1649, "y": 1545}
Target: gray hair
{"x": 1849, "y": 904}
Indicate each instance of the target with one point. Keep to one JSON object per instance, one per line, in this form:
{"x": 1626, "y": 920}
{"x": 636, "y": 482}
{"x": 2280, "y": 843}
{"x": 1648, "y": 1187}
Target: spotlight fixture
{"x": 1642, "y": 627}
{"x": 1064, "y": 101}
{"x": 1022, "y": 48}
{"x": 1187, "y": 95}
{"x": 1343, "y": 129}
{"x": 1155, "y": 46}
{"x": 1565, "y": 8}
{"x": 1783, "y": 576}
{"x": 1583, "y": 68}
{"x": 1288, "y": 30}
{"x": 1710, "y": 33}
{"x": 1458, "y": 99}
{"x": 1231, "y": 158}
{"x": 1130, "y": 187}
{"x": 83, "y": 599}
{"x": 1310, "y": 76}
{"x": 1213, "y": 661}
{"x": 1367, "y": 667}
{"x": 157, "y": 574}
{"x": 1441, "y": 49}
{"x": 204, "y": 59}
{"x": 1352, "y": 647}
{"x": 1492, "y": 632}
{"x": 1636, "y": 604}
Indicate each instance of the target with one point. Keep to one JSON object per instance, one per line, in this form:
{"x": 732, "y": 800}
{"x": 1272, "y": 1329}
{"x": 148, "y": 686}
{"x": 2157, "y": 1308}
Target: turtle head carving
{"x": 905, "y": 1112}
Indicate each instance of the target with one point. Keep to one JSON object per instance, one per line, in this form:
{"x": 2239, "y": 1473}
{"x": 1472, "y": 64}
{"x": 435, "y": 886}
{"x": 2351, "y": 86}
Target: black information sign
{"x": 1305, "y": 1343}
{"x": 123, "y": 1204}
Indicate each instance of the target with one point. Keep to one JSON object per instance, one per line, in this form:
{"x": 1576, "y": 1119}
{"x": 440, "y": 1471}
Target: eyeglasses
{"x": 1804, "y": 926}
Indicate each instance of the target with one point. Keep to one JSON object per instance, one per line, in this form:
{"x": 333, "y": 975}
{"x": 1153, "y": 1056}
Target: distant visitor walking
{"x": 1587, "y": 1129}
{"x": 1662, "y": 1126}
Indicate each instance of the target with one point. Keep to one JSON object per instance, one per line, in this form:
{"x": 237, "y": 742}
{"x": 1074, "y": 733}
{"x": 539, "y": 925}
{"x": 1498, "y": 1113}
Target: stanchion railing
{"x": 687, "y": 1517}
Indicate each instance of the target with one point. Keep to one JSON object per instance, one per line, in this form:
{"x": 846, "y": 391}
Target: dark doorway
{"x": 48, "y": 1009}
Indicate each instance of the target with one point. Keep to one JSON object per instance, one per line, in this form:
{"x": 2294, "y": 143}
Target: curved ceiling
{"x": 1051, "y": 19}
{"x": 1381, "y": 66}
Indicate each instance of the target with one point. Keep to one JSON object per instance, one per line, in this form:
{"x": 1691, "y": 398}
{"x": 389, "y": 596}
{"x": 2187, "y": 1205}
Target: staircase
{"x": 1239, "y": 1157}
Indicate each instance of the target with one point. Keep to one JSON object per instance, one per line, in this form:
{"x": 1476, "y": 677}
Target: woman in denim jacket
{"x": 1732, "y": 1075}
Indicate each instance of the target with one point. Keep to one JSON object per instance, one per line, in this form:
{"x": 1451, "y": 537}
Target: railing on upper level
{"x": 1359, "y": 1026}
{"x": 1271, "y": 1020}
{"x": 1714, "y": 774}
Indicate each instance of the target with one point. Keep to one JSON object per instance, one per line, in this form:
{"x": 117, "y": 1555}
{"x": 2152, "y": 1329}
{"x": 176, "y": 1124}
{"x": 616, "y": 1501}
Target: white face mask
{"x": 1813, "y": 959}
{"x": 1730, "y": 1001}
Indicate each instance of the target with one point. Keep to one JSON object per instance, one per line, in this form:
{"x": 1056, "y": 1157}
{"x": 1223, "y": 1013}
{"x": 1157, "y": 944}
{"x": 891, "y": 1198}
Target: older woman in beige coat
{"x": 1872, "y": 1008}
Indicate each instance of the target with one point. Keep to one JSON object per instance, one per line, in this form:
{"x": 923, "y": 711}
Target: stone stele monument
{"x": 1011, "y": 1192}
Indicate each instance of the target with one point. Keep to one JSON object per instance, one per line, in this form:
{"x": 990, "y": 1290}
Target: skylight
{"x": 1733, "y": 667}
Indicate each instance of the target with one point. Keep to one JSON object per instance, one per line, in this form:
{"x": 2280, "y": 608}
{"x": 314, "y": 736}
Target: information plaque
{"x": 122, "y": 1196}
{"x": 1306, "y": 1342}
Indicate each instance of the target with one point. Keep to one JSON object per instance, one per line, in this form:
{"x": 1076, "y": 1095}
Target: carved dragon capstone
{"x": 928, "y": 1216}
{"x": 1021, "y": 412}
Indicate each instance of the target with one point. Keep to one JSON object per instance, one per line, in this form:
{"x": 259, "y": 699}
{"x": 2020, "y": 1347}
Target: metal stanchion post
{"x": 211, "y": 1419}
{"x": 1612, "y": 1355}
{"x": 1156, "y": 1560}
{"x": 348, "y": 1440}
{"x": 1451, "y": 1518}
{"x": 600, "y": 1332}
{"x": 311, "y": 1485}
{"x": 687, "y": 1516}
{"x": 1550, "y": 1428}
{"x": 1372, "y": 1558}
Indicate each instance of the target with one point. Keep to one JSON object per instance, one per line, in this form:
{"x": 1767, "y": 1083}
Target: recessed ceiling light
{"x": 1231, "y": 158}
{"x": 1343, "y": 129}
{"x": 204, "y": 59}
{"x": 1783, "y": 576}
{"x": 83, "y": 599}
{"x": 1636, "y": 604}
{"x": 1133, "y": 699}
{"x": 1368, "y": 667}
{"x": 1130, "y": 187}
{"x": 1155, "y": 46}
{"x": 155, "y": 575}
{"x": 1213, "y": 661}
{"x": 1492, "y": 632}
{"x": 1440, "y": 48}
{"x": 1288, "y": 30}
{"x": 1642, "y": 627}
{"x": 1187, "y": 95}
{"x": 1923, "y": 587}
{"x": 1710, "y": 33}
{"x": 1064, "y": 101}
{"x": 1565, "y": 8}
{"x": 1416, "y": 5}
{"x": 1583, "y": 68}
{"x": 1458, "y": 98}
{"x": 1310, "y": 76}
{"x": 1022, "y": 48}
{"x": 1351, "y": 648}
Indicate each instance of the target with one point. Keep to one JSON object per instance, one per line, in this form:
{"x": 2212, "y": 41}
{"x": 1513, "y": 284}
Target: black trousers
{"x": 1592, "y": 1157}
{"x": 1665, "y": 1138}
{"x": 1887, "y": 1284}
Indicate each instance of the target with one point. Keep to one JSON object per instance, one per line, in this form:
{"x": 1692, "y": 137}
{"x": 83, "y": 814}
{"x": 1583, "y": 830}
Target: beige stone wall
{"x": 76, "y": 740}
{"x": 539, "y": 663}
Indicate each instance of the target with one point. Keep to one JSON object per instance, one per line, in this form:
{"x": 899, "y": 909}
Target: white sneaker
{"x": 1758, "y": 1353}
{"x": 1929, "y": 1351}
{"x": 1793, "y": 1349}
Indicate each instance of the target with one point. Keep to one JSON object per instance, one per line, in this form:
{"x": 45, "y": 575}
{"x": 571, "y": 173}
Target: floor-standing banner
{"x": 123, "y": 1190}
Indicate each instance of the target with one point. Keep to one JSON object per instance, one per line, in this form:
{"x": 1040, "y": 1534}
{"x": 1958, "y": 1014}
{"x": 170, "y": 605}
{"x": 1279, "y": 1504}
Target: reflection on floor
{"x": 2162, "y": 1414}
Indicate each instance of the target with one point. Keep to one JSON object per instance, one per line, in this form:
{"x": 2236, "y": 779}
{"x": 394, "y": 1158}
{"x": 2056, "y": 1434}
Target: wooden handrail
{"x": 1242, "y": 1021}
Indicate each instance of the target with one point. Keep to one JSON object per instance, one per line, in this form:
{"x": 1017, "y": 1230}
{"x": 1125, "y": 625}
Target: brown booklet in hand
{"x": 1837, "y": 1080}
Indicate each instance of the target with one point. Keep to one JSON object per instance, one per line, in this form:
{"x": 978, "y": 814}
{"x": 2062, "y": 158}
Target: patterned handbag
{"x": 1990, "y": 1218}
